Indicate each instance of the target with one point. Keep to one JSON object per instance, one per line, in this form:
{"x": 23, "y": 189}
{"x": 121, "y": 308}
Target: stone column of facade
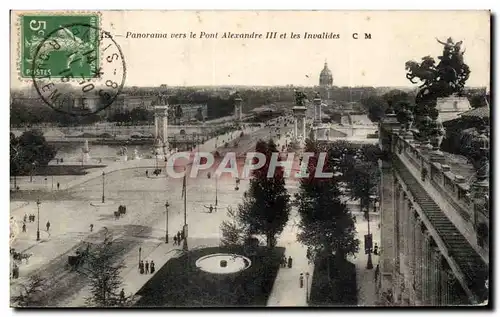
{"x": 387, "y": 219}
{"x": 397, "y": 238}
{"x": 418, "y": 259}
{"x": 411, "y": 256}
{"x": 425, "y": 267}
{"x": 434, "y": 289}
{"x": 445, "y": 277}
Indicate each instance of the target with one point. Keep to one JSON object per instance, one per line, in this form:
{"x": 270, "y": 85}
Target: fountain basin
{"x": 223, "y": 263}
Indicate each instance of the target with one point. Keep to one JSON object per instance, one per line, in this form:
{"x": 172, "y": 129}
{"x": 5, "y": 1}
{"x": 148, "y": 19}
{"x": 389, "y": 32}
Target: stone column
{"x": 445, "y": 278}
{"x": 434, "y": 289}
{"x": 418, "y": 259}
{"x": 304, "y": 128}
{"x": 425, "y": 267}
{"x": 165, "y": 131}
{"x": 295, "y": 123}
{"x": 156, "y": 126}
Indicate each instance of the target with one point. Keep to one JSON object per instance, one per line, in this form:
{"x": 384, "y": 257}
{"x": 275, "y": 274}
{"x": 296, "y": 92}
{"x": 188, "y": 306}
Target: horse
{"x": 17, "y": 256}
{"x": 117, "y": 214}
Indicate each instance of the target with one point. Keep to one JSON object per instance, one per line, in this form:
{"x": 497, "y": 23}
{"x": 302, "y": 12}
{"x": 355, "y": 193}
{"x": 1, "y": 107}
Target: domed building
{"x": 325, "y": 77}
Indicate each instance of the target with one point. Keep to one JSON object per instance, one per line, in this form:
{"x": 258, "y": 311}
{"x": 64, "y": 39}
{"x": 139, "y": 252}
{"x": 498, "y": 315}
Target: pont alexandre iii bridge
{"x": 434, "y": 224}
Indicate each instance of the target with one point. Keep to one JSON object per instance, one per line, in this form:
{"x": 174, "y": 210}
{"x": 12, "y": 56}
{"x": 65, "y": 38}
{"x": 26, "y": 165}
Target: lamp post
{"x": 103, "y": 187}
{"x": 369, "y": 264}
{"x": 33, "y": 165}
{"x": 140, "y": 250}
{"x": 38, "y": 203}
{"x": 307, "y": 287}
{"x": 166, "y": 221}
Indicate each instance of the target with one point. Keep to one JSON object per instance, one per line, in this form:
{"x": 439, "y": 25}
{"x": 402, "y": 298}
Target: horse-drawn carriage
{"x": 157, "y": 171}
{"x": 122, "y": 210}
{"x": 20, "y": 256}
{"x": 78, "y": 259}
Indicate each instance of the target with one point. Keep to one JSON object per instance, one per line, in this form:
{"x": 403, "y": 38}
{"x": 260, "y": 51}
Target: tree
{"x": 28, "y": 150}
{"x": 327, "y": 225}
{"x": 104, "y": 276}
{"x": 376, "y": 107}
{"x": 363, "y": 180}
{"x": 233, "y": 232}
{"x": 29, "y": 295}
{"x": 266, "y": 204}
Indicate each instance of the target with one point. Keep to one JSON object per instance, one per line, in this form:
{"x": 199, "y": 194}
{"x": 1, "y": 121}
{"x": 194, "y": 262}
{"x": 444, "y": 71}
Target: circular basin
{"x": 223, "y": 263}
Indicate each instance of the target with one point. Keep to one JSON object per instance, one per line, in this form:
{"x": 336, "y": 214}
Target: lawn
{"x": 340, "y": 290}
{"x": 179, "y": 283}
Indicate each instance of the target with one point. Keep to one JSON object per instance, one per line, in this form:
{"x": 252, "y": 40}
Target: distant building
{"x": 325, "y": 77}
{"x": 451, "y": 107}
{"x": 189, "y": 111}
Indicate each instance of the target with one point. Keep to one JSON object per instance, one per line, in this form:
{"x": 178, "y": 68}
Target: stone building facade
{"x": 433, "y": 251}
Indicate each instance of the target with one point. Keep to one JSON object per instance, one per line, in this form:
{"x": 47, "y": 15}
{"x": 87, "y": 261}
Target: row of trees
{"x": 29, "y": 151}
{"x": 327, "y": 226}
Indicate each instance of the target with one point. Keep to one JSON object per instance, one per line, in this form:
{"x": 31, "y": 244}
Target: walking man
{"x": 91, "y": 227}
{"x": 24, "y": 226}
{"x": 141, "y": 267}
{"x": 301, "y": 280}
{"x": 147, "y": 267}
{"x": 58, "y": 185}
{"x": 146, "y": 173}
{"x": 289, "y": 262}
{"x": 48, "y": 226}
{"x": 375, "y": 249}
{"x": 175, "y": 240}
{"x": 152, "y": 265}
{"x": 25, "y": 217}
{"x": 179, "y": 237}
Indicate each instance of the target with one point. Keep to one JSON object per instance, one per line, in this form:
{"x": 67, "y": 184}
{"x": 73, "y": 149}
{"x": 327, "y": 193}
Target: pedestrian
{"x": 289, "y": 262}
{"x": 152, "y": 266}
{"x": 48, "y": 226}
{"x": 179, "y": 237}
{"x": 301, "y": 280}
{"x": 375, "y": 249}
{"x": 58, "y": 185}
{"x": 25, "y": 217}
{"x": 141, "y": 267}
{"x": 122, "y": 295}
{"x": 33, "y": 218}
{"x": 24, "y": 226}
{"x": 147, "y": 267}
{"x": 283, "y": 261}
{"x": 175, "y": 240}
{"x": 146, "y": 173}
{"x": 377, "y": 272}
{"x": 308, "y": 255}
{"x": 91, "y": 227}
{"x": 15, "y": 271}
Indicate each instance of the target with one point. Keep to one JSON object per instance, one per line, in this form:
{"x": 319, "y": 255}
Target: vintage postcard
{"x": 249, "y": 158}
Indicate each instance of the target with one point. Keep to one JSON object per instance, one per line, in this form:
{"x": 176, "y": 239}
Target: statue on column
{"x": 300, "y": 98}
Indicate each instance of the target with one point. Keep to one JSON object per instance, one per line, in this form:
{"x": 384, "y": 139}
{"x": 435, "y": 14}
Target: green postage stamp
{"x": 65, "y": 42}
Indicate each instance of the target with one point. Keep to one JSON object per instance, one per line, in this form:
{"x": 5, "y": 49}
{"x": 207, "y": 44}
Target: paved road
{"x": 71, "y": 214}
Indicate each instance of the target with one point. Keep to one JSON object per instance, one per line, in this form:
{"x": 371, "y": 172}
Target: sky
{"x": 396, "y": 37}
